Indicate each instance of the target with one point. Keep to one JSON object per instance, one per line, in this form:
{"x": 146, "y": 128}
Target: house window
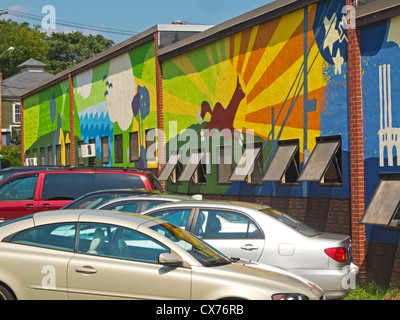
{"x": 133, "y": 146}
{"x": 250, "y": 166}
{"x": 50, "y": 155}
{"x": 67, "y": 154}
{"x": 151, "y": 145}
{"x": 16, "y": 113}
{"x": 92, "y": 160}
{"x": 81, "y": 160}
{"x": 285, "y": 165}
{"x": 224, "y": 163}
{"x": 42, "y": 156}
{"x": 325, "y": 163}
{"x": 172, "y": 169}
{"x": 383, "y": 208}
{"x": 58, "y": 154}
{"x": 195, "y": 168}
{"x": 119, "y": 148}
{"x": 105, "y": 153}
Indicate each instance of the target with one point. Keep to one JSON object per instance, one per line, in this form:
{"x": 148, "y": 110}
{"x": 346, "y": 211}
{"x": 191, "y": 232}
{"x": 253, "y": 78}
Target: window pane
{"x": 67, "y": 186}
{"x": 55, "y": 236}
{"x": 178, "y": 217}
{"x": 217, "y": 224}
{"x": 133, "y": 146}
{"x": 118, "y": 148}
{"x": 118, "y": 242}
{"x": 19, "y": 189}
{"x": 104, "y": 150}
{"x": 130, "y": 206}
{"x": 118, "y": 181}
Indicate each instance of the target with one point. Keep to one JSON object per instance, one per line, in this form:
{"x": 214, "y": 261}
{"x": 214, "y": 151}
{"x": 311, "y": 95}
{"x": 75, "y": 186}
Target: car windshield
{"x": 291, "y": 222}
{"x": 201, "y": 251}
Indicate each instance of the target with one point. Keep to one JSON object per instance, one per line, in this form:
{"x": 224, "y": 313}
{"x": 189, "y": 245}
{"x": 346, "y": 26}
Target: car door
{"x": 18, "y": 196}
{"x": 118, "y": 263}
{"x": 37, "y": 258}
{"x": 232, "y": 232}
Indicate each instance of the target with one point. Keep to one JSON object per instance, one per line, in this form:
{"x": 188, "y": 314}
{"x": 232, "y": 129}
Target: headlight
{"x": 289, "y": 296}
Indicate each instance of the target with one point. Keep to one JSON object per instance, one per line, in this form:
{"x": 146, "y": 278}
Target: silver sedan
{"x": 92, "y": 254}
{"x": 261, "y": 234}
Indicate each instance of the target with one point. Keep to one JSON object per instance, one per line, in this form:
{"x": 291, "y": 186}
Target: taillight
{"x": 338, "y": 254}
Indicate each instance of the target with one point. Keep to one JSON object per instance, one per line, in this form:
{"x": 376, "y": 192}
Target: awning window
{"x": 245, "y": 165}
{"x": 192, "y": 165}
{"x": 169, "y": 167}
{"x": 384, "y": 204}
{"x": 324, "y": 164}
{"x": 284, "y": 158}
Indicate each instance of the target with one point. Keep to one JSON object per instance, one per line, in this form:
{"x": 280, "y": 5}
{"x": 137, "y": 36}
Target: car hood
{"x": 262, "y": 274}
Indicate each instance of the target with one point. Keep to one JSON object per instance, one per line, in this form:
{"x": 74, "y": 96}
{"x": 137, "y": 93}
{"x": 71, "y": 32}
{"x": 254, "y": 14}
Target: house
{"x": 31, "y": 73}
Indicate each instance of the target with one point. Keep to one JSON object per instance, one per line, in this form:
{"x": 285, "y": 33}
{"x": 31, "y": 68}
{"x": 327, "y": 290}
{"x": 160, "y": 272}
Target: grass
{"x": 372, "y": 291}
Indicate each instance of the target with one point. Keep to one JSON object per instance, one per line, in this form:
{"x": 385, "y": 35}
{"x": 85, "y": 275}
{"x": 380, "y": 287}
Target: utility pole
{"x": 1, "y": 79}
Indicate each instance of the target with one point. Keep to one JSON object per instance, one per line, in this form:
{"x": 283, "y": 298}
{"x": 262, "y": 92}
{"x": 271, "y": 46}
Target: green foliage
{"x": 372, "y": 291}
{"x": 28, "y": 43}
{"x": 67, "y": 49}
{"x": 13, "y": 154}
{"x": 58, "y": 50}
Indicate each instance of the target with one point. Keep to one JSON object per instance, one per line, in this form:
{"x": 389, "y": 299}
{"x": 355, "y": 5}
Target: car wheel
{"x": 6, "y": 294}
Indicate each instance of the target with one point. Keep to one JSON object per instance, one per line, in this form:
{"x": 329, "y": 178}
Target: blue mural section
{"x": 380, "y": 60}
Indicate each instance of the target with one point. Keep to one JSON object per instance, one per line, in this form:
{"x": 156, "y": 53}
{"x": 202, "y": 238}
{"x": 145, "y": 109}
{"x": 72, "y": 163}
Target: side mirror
{"x": 169, "y": 259}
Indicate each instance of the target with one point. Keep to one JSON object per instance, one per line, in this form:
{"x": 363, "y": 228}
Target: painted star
{"x": 331, "y": 33}
{"x": 338, "y": 61}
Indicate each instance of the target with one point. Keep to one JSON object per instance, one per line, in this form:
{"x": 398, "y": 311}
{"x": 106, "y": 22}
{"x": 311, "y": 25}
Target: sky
{"x": 125, "y": 18}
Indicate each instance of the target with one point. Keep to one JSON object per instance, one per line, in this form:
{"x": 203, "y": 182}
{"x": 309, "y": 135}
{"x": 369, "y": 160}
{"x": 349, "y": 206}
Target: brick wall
{"x": 356, "y": 146}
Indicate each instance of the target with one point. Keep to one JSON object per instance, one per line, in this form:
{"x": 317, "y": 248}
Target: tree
{"x": 67, "y": 49}
{"x": 28, "y": 43}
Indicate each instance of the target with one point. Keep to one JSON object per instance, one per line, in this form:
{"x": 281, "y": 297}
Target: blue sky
{"x": 133, "y": 16}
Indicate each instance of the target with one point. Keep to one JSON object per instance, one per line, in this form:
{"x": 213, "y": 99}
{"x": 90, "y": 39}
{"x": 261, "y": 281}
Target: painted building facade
{"x": 258, "y": 108}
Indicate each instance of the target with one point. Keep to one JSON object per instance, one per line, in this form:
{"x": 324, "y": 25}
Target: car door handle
{"x": 86, "y": 270}
{"x": 46, "y": 205}
{"x": 30, "y": 206}
{"x": 249, "y": 247}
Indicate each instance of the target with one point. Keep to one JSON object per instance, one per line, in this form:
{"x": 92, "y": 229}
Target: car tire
{"x": 6, "y": 294}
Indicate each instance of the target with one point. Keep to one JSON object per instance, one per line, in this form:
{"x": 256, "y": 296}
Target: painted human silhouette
{"x": 222, "y": 118}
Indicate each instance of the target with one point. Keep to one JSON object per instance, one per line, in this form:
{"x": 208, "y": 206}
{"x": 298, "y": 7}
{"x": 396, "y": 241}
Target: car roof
{"x": 213, "y": 203}
{"x": 90, "y": 215}
{"x": 160, "y": 196}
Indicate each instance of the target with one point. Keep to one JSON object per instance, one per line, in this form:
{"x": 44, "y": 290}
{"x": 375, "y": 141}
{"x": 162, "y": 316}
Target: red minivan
{"x": 26, "y": 193}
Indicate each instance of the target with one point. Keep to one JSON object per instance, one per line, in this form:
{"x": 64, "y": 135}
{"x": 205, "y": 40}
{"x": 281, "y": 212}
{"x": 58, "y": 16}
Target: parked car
{"x": 137, "y": 204}
{"x": 33, "y": 191}
{"x": 91, "y": 254}
{"x": 260, "y": 233}
{"x": 94, "y": 199}
{"x": 9, "y": 171}
{"x": 4, "y": 163}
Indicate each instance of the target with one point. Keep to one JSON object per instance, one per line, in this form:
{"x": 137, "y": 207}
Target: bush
{"x": 13, "y": 154}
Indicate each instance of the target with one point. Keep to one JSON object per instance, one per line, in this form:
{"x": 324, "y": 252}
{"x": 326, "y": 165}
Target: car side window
{"x": 177, "y": 217}
{"x": 60, "y": 236}
{"x": 118, "y": 181}
{"x": 224, "y": 224}
{"x": 22, "y": 188}
{"x": 128, "y": 206}
{"x": 67, "y": 186}
{"x": 118, "y": 242}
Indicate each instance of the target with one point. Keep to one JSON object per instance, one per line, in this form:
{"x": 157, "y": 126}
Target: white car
{"x": 262, "y": 234}
{"x": 93, "y": 254}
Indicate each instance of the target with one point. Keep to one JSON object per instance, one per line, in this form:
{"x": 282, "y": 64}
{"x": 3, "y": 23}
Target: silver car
{"x": 137, "y": 204}
{"x": 259, "y": 233}
{"x": 92, "y": 254}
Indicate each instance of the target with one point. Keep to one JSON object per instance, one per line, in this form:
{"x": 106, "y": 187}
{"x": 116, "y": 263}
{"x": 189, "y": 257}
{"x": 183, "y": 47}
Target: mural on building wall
{"x": 47, "y": 123}
{"x": 116, "y": 97}
{"x": 257, "y": 83}
{"x": 380, "y": 49}
{"x": 380, "y": 52}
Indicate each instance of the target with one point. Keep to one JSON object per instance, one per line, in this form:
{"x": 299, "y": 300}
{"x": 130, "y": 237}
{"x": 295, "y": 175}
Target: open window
{"x": 250, "y": 166}
{"x": 195, "y": 169}
{"x": 224, "y": 161}
{"x": 172, "y": 169}
{"x": 325, "y": 163}
{"x": 285, "y": 165}
{"x": 383, "y": 208}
